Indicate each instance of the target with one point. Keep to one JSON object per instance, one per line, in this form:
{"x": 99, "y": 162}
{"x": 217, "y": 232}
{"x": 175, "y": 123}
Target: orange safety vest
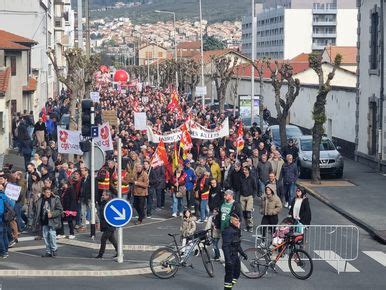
{"x": 125, "y": 184}
{"x": 105, "y": 183}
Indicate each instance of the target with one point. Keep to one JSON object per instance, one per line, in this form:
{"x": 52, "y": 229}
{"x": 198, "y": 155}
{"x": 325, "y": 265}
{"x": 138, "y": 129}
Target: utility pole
{"x": 202, "y": 56}
{"x": 253, "y": 61}
{"x": 87, "y": 8}
{"x": 120, "y": 230}
{"x": 80, "y": 24}
{"x": 382, "y": 93}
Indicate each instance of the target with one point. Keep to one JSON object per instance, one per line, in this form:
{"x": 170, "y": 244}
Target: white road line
{"x": 26, "y": 239}
{"x": 27, "y": 248}
{"x": 95, "y": 246}
{"x": 378, "y": 256}
{"x": 331, "y": 258}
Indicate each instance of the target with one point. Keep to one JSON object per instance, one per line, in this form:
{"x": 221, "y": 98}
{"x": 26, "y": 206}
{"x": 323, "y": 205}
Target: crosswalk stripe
{"x": 337, "y": 265}
{"x": 283, "y": 265}
{"x": 378, "y": 256}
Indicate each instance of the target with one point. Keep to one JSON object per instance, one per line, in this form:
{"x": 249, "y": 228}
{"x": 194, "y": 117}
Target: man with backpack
{"x": 7, "y": 214}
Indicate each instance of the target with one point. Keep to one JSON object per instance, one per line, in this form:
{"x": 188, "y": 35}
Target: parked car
{"x": 247, "y": 123}
{"x": 292, "y": 131}
{"x": 331, "y": 161}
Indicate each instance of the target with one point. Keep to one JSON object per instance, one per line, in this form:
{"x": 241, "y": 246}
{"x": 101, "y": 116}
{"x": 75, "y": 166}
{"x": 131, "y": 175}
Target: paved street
{"x": 368, "y": 271}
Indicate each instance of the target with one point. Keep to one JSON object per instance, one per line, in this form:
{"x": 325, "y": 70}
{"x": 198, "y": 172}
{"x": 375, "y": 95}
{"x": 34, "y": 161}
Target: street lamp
{"x": 175, "y": 37}
{"x": 202, "y": 57}
{"x": 253, "y": 61}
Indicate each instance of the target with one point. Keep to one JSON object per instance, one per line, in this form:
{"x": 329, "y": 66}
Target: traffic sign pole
{"x": 120, "y": 230}
{"x": 92, "y": 173}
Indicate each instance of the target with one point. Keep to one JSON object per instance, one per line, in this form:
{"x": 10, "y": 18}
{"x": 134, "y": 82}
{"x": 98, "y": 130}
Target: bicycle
{"x": 165, "y": 261}
{"x": 260, "y": 258}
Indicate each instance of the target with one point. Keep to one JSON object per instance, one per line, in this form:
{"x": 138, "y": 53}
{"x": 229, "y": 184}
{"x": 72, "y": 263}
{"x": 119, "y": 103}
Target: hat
{"x": 186, "y": 161}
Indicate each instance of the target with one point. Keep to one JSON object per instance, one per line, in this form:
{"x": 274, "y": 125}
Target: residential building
{"x": 188, "y": 49}
{"x": 34, "y": 19}
{"x": 340, "y": 105}
{"x": 17, "y": 86}
{"x": 371, "y": 121}
{"x": 149, "y": 53}
{"x": 286, "y": 28}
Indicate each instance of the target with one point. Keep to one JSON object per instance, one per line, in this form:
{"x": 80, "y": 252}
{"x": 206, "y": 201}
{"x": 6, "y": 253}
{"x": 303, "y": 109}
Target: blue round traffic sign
{"x": 118, "y": 212}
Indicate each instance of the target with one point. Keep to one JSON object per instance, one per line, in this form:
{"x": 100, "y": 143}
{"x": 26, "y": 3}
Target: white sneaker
{"x": 181, "y": 214}
{"x": 87, "y": 222}
{"x": 174, "y": 215}
{"x": 286, "y": 204}
{"x": 71, "y": 237}
{"x": 58, "y": 237}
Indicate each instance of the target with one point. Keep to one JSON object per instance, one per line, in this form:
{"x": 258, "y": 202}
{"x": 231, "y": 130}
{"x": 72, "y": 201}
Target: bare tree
{"x": 319, "y": 111}
{"x": 282, "y": 74}
{"x": 260, "y": 66}
{"x": 78, "y": 77}
{"x": 222, "y": 75}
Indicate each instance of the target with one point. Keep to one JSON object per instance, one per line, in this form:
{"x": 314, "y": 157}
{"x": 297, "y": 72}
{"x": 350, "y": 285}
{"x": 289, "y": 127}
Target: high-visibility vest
{"x": 125, "y": 184}
{"x": 105, "y": 183}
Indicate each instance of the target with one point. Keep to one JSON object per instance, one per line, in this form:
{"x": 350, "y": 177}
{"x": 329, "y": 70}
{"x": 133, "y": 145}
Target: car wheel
{"x": 339, "y": 173}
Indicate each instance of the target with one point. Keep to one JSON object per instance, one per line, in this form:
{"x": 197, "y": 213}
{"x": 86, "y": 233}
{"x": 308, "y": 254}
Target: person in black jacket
{"x": 216, "y": 196}
{"x": 231, "y": 247}
{"x": 68, "y": 198}
{"x": 300, "y": 208}
{"x": 248, "y": 190}
{"x": 85, "y": 198}
{"x": 107, "y": 230}
{"x": 235, "y": 180}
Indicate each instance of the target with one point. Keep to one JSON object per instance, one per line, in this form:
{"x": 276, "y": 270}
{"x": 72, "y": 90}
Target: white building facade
{"x": 371, "y": 121}
{"x": 287, "y": 28}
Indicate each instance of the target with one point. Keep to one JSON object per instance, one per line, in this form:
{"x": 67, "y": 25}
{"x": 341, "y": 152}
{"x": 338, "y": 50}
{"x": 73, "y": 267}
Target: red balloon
{"x": 121, "y": 76}
{"x": 104, "y": 69}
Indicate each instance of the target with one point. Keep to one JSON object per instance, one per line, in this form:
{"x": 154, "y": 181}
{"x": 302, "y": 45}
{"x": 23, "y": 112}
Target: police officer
{"x": 231, "y": 247}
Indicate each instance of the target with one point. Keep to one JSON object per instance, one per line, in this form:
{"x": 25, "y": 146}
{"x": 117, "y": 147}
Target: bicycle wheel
{"x": 300, "y": 264}
{"x": 256, "y": 265}
{"x": 207, "y": 261}
{"x": 164, "y": 263}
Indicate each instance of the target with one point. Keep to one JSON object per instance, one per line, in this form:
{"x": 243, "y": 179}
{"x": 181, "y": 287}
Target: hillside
{"x": 213, "y": 10}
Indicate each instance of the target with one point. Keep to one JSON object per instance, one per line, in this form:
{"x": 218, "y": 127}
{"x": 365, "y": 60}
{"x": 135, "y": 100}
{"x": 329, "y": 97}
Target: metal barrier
{"x": 331, "y": 243}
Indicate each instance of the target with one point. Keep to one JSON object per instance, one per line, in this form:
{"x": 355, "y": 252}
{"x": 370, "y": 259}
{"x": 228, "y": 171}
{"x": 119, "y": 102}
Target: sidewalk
{"x": 360, "y": 196}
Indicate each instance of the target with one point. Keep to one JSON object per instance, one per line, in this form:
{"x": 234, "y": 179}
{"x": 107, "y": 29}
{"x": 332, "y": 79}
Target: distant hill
{"x": 213, "y": 10}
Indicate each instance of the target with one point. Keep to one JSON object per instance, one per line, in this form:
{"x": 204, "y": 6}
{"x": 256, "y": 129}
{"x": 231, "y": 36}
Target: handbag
{"x": 299, "y": 227}
{"x": 181, "y": 191}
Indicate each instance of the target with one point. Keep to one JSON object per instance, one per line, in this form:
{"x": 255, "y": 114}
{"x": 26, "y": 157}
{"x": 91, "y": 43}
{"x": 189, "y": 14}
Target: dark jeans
{"x": 269, "y": 220}
{"x": 3, "y": 239}
{"x": 189, "y": 198}
{"x": 139, "y": 205}
{"x": 27, "y": 159}
{"x": 19, "y": 219}
{"x": 160, "y": 195}
{"x": 70, "y": 222}
{"x": 107, "y": 236}
{"x": 232, "y": 269}
{"x": 149, "y": 201}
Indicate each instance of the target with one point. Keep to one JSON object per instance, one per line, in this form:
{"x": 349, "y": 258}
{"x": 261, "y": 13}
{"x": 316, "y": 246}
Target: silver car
{"x": 331, "y": 161}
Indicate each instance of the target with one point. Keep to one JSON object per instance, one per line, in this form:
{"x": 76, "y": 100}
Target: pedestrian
{"x": 216, "y": 196}
{"x": 140, "y": 191}
{"x": 49, "y": 212}
{"x": 106, "y": 229}
{"x": 202, "y": 189}
{"x": 300, "y": 208}
{"x": 249, "y": 189}
{"x": 40, "y": 130}
{"x": 231, "y": 246}
{"x": 264, "y": 168}
{"x": 291, "y": 149}
{"x": 290, "y": 175}
{"x": 215, "y": 232}
{"x": 5, "y": 203}
{"x": 68, "y": 198}
{"x": 270, "y": 208}
{"x": 188, "y": 226}
{"x": 229, "y": 207}
{"x": 189, "y": 184}
{"x": 85, "y": 198}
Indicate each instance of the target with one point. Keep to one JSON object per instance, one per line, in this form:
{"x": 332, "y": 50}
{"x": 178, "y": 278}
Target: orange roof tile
{"x": 189, "y": 45}
{"x": 303, "y": 57}
{"x": 31, "y": 86}
{"x": 215, "y": 53}
{"x": 348, "y": 53}
{"x": 4, "y": 79}
{"x": 15, "y": 38}
{"x": 244, "y": 70}
{"x": 9, "y": 45}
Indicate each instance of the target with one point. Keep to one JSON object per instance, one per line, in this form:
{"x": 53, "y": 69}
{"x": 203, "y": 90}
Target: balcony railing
{"x": 324, "y": 11}
{"x": 324, "y": 35}
{"x": 323, "y": 23}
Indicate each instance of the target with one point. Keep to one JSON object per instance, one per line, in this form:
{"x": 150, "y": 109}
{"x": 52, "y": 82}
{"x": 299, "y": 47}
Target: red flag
{"x": 186, "y": 140}
{"x": 174, "y": 102}
{"x": 44, "y": 114}
{"x": 160, "y": 156}
{"x": 240, "y": 137}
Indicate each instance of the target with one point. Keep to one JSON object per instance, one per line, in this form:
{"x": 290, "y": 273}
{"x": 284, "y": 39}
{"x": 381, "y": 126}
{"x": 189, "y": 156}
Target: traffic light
{"x": 87, "y": 122}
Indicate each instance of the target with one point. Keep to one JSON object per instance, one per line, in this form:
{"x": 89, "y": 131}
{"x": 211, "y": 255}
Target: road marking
{"x": 335, "y": 263}
{"x": 27, "y": 248}
{"x": 378, "y": 256}
{"x": 95, "y": 246}
{"x": 27, "y": 239}
{"x": 74, "y": 273}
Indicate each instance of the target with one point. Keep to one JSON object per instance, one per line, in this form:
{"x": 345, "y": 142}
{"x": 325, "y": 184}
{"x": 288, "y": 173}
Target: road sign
{"x": 201, "y": 91}
{"x": 94, "y": 131}
{"x": 118, "y": 212}
{"x": 99, "y": 158}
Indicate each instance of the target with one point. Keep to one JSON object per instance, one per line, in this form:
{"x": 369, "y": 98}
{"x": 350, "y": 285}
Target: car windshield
{"x": 292, "y": 132}
{"x": 325, "y": 145}
{"x": 247, "y": 121}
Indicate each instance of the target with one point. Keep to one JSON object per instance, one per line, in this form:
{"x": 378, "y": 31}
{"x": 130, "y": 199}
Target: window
{"x": 13, "y": 65}
{"x": 374, "y": 40}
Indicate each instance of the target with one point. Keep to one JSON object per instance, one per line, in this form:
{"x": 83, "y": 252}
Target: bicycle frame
{"x": 192, "y": 244}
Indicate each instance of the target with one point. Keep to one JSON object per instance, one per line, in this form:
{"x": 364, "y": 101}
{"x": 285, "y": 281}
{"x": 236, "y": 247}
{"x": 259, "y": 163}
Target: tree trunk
{"x": 221, "y": 99}
{"x": 261, "y": 105}
{"x": 282, "y": 129}
{"x": 319, "y": 114}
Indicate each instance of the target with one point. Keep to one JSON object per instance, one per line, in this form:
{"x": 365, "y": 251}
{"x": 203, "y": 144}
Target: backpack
{"x": 9, "y": 212}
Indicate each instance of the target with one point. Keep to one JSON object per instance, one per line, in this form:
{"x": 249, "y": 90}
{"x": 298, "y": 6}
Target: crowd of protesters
{"x": 56, "y": 192}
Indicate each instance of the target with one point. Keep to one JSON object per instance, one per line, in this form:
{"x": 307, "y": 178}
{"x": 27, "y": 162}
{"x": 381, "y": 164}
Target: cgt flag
{"x": 160, "y": 156}
{"x": 186, "y": 141}
{"x": 68, "y": 142}
{"x": 104, "y": 139}
{"x": 240, "y": 138}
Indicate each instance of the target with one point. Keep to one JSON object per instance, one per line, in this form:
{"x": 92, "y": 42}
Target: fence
{"x": 331, "y": 243}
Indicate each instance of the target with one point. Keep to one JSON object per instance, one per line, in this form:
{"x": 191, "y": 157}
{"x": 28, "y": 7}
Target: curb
{"x": 373, "y": 232}
{"x": 74, "y": 273}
